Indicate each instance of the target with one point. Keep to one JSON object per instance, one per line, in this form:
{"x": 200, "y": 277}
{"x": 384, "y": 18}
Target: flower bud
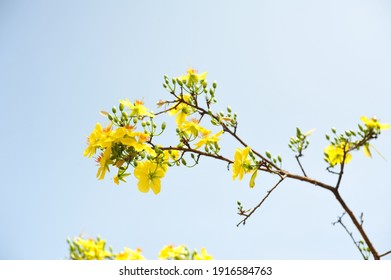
{"x": 214, "y": 84}
{"x": 114, "y": 109}
{"x": 163, "y": 126}
{"x": 110, "y": 117}
{"x": 121, "y": 107}
{"x": 268, "y": 154}
{"x": 229, "y": 110}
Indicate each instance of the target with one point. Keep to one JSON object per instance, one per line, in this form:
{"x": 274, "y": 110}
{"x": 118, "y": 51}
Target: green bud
{"x": 110, "y": 117}
{"x": 148, "y": 123}
{"x": 135, "y": 120}
{"x": 214, "y": 84}
{"x": 173, "y": 81}
{"x": 114, "y": 110}
{"x": 121, "y": 107}
{"x": 143, "y": 124}
{"x": 179, "y": 82}
{"x": 229, "y": 110}
{"x": 204, "y": 84}
{"x": 183, "y": 161}
{"x": 327, "y": 136}
{"x": 268, "y": 154}
{"x": 279, "y": 158}
{"x": 333, "y": 130}
{"x": 163, "y": 126}
{"x": 164, "y": 85}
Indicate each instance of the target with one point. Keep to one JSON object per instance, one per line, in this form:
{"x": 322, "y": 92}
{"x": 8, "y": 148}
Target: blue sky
{"x": 279, "y": 65}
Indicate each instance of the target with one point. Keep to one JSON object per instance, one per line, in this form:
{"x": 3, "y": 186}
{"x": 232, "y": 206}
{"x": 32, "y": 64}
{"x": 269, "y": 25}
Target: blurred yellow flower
{"x": 209, "y": 140}
{"x": 193, "y": 128}
{"x": 192, "y": 77}
{"x": 90, "y": 249}
{"x": 129, "y": 254}
{"x": 203, "y": 255}
{"x": 373, "y": 123}
{"x": 335, "y": 154}
{"x": 137, "y": 108}
{"x": 169, "y": 252}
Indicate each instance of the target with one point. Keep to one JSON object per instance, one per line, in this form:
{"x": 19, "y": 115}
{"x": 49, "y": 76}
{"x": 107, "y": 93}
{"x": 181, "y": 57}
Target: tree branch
{"x": 262, "y": 201}
{"x": 339, "y": 221}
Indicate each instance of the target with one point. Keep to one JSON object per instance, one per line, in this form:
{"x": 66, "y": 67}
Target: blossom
{"x": 170, "y": 252}
{"x": 209, "y": 140}
{"x": 374, "y": 124}
{"x": 100, "y": 137}
{"x": 193, "y": 128}
{"x": 335, "y": 154}
{"x": 192, "y": 78}
{"x": 182, "y": 110}
{"x": 129, "y": 254}
{"x": 242, "y": 163}
{"x": 149, "y": 175}
{"x": 203, "y": 255}
{"x": 90, "y": 249}
{"x": 137, "y": 108}
{"x": 104, "y": 161}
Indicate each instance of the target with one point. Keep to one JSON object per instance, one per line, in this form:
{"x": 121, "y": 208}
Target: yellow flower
{"x": 192, "y": 78}
{"x": 335, "y": 154}
{"x": 209, "y": 141}
{"x": 149, "y": 175}
{"x": 104, "y": 161}
{"x": 91, "y": 249}
{"x": 100, "y": 137}
{"x": 129, "y": 254}
{"x": 203, "y": 255}
{"x": 374, "y": 124}
{"x": 181, "y": 109}
{"x": 242, "y": 163}
{"x": 173, "y": 253}
{"x": 137, "y": 108}
{"x": 193, "y": 128}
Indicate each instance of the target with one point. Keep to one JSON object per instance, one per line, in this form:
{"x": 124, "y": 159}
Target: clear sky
{"x": 279, "y": 65}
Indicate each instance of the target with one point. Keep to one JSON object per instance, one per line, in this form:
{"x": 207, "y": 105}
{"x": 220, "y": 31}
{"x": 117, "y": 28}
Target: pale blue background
{"x": 279, "y": 64}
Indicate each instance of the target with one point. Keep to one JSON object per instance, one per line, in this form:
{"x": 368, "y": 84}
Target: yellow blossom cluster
{"x": 94, "y": 249}
{"x": 340, "y": 148}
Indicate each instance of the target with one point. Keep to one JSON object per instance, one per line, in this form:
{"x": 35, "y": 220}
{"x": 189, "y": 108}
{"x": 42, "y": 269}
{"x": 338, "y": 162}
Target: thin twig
{"x": 301, "y": 167}
{"x": 262, "y": 201}
{"x": 339, "y": 221}
{"x": 385, "y": 254}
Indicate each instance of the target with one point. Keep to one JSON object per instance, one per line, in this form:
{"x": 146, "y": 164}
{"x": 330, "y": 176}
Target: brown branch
{"x": 260, "y": 203}
{"x": 385, "y": 254}
{"x": 357, "y": 225}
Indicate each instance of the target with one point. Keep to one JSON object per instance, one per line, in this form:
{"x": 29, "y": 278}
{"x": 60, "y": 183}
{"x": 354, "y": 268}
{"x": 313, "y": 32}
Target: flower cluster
{"x": 341, "y": 146}
{"x": 128, "y": 142}
{"x": 94, "y": 249}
